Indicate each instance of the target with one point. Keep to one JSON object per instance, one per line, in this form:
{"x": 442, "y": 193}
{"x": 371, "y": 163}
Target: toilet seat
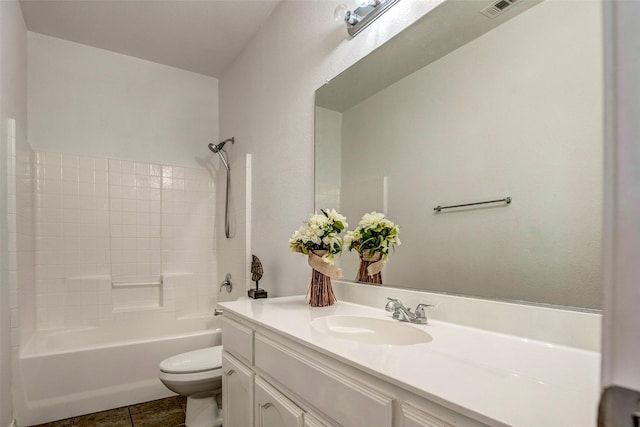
{"x": 198, "y": 376}
{"x": 206, "y": 359}
{"x": 193, "y": 377}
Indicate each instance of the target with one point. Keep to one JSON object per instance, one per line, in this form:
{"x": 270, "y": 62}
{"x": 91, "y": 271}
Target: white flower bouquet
{"x": 320, "y": 233}
{"x": 372, "y": 239}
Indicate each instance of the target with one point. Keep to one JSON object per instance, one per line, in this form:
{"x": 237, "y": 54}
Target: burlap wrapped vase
{"x": 320, "y": 289}
{"x": 370, "y": 270}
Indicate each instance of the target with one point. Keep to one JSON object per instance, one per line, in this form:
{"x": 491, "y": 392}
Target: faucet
{"x": 404, "y": 314}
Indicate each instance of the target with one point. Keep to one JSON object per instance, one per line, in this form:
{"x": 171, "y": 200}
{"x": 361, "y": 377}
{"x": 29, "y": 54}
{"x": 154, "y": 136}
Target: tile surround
{"x": 101, "y": 220}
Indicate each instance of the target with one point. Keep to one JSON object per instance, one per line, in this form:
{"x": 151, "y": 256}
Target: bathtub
{"x": 65, "y": 373}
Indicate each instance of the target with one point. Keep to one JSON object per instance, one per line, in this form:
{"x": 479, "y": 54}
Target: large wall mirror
{"x": 463, "y": 108}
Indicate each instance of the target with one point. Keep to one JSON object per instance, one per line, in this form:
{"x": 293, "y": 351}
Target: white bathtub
{"x": 65, "y": 373}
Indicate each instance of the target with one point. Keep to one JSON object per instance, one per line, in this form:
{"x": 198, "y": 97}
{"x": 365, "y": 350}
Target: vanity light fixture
{"x": 364, "y": 14}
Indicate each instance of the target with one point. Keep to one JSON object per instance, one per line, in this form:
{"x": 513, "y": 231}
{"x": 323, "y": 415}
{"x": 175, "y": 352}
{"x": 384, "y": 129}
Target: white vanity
{"x": 288, "y": 364}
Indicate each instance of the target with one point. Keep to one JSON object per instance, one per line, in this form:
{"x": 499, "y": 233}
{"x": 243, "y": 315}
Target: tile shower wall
{"x": 121, "y": 240}
{"x": 134, "y": 206}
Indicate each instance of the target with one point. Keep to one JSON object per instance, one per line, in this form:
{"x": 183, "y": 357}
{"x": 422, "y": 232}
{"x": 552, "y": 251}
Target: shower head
{"x": 217, "y": 147}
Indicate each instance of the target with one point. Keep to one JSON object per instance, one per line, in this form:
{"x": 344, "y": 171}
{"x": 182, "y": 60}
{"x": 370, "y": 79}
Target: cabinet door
{"x": 237, "y": 392}
{"x": 273, "y": 409}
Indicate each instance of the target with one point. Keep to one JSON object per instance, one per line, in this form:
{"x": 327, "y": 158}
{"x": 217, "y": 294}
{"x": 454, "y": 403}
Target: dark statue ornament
{"x": 256, "y": 275}
{"x": 256, "y": 268}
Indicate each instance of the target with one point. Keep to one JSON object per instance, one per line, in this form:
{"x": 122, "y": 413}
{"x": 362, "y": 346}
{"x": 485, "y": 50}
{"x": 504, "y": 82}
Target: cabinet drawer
{"x": 346, "y": 401}
{"x": 412, "y": 417}
{"x": 237, "y": 339}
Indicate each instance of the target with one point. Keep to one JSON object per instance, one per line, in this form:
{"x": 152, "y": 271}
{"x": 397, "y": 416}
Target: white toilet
{"x": 197, "y": 375}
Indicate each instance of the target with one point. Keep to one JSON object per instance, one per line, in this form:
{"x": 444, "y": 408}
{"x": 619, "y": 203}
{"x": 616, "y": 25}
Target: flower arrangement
{"x": 320, "y": 233}
{"x": 319, "y": 239}
{"x": 372, "y": 239}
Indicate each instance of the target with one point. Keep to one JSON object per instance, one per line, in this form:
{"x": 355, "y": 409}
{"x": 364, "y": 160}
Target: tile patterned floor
{"x": 167, "y": 412}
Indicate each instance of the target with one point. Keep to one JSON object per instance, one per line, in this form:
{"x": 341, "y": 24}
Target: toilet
{"x": 197, "y": 375}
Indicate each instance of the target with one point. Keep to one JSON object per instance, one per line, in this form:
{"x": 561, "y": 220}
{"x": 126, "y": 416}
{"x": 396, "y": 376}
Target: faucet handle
{"x": 393, "y": 304}
{"x": 420, "y": 314}
{"x": 227, "y": 283}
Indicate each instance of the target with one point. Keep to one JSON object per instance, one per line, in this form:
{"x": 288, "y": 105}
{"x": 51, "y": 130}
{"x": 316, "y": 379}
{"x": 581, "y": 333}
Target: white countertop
{"x": 495, "y": 378}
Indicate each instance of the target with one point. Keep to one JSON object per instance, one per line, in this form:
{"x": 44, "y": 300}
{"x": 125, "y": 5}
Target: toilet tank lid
{"x": 201, "y": 360}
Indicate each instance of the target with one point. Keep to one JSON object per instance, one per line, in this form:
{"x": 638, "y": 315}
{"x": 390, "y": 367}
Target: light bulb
{"x": 339, "y": 13}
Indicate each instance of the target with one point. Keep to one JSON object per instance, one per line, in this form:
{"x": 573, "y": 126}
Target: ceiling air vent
{"x": 497, "y": 8}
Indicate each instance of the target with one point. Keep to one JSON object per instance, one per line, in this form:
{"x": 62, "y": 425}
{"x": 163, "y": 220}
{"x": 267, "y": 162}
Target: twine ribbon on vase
{"x": 317, "y": 263}
{"x": 376, "y": 262}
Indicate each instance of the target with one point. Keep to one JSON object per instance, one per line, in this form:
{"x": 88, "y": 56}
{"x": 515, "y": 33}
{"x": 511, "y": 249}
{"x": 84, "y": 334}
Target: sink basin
{"x": 371, "y": 330}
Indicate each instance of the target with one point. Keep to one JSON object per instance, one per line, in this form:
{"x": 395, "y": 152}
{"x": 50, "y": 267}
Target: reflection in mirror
{"x": 514, "y": 110}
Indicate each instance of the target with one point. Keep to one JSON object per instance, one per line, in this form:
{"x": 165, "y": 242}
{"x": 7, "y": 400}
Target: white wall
{"x": 516, "y": 112}
{"x": 85, "y": 100}
{"x": 13, "y": 93}
{"x": 266, "y": 100}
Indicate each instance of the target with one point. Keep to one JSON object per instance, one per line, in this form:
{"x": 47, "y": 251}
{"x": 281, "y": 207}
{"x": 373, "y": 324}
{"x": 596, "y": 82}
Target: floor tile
{"x": 113, "y": 418}
{"x": 162, "y": 405}
{"x": 119, "y": 421}
{"x": 172, "y": 418}
{"x": 183, "y": 402}
{"x": 169, "y": 412}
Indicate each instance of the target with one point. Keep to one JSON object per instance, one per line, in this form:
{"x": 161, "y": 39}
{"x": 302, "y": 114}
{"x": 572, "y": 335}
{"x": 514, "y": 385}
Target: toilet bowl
{"x": 197, "y": 375}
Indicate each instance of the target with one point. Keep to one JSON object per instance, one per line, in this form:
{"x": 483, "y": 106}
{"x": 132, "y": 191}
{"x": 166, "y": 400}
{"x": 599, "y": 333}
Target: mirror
{"x": 462, "y": 108}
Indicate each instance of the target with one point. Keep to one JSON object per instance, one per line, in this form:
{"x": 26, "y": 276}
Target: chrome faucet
{"x": 404, "y": 314}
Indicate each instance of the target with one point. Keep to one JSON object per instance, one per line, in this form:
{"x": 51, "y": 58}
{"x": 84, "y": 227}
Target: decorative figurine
{"x": 256, "y": 275}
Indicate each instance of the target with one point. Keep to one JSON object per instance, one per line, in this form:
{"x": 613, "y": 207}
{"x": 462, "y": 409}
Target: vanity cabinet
{"x": 276, "y": 381}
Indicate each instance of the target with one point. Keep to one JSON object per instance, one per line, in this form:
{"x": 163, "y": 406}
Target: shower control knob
{"x": 227, "y": 283}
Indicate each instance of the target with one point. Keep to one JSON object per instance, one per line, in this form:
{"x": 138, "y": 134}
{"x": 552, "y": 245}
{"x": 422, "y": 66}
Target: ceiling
{"x": 203, "y": 36}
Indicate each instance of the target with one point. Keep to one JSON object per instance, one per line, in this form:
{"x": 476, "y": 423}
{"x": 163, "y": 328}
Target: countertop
{"x": 495, "y": 378}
